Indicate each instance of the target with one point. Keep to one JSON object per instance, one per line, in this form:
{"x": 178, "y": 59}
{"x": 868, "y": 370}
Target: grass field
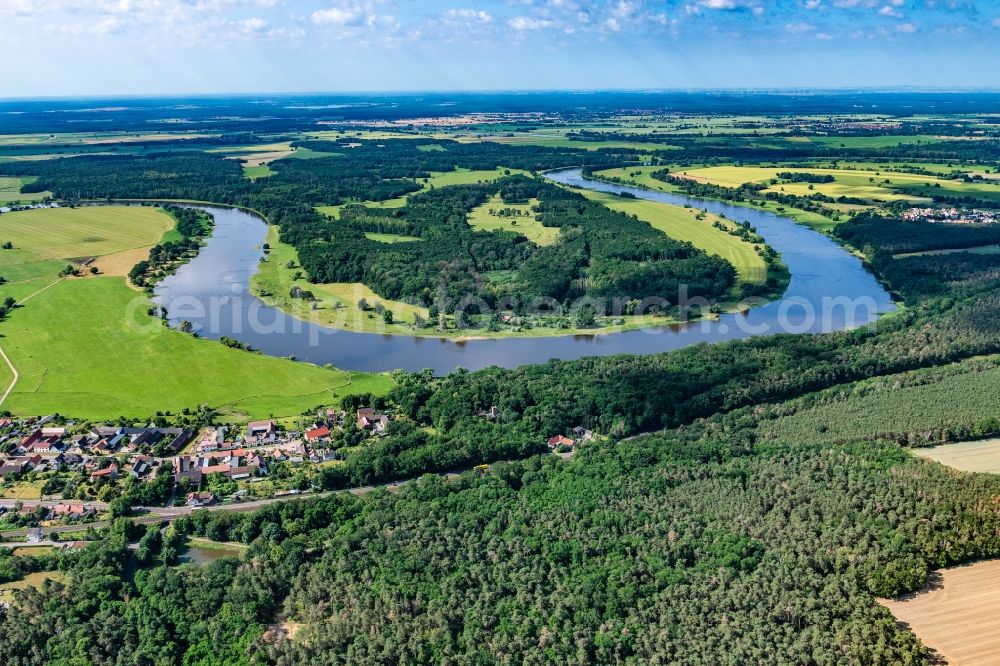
{"x": 46, "y": 240}
{"x": 979, "y": 456}
{"x": 86, "y": 347}
{"x": 10, "y": 190}
{"x": 92, "y": 231}
{"x": 524, "y": 224}
{"x": 23, "y": 490}
{"x": 683, "y": 224}
{"x": 958, "y": 616}
{"x": 33, "y": 551}
{"x": 257, "y": 171}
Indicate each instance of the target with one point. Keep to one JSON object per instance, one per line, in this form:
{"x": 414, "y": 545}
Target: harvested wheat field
{"x": 958, "y": 616}
{"x": 978, "y": 456}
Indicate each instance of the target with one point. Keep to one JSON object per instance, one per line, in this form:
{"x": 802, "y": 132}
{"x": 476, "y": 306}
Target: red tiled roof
{"x": 316, "y": 433}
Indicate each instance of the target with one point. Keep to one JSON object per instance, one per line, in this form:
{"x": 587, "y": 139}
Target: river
{"x": 829, "y": 290}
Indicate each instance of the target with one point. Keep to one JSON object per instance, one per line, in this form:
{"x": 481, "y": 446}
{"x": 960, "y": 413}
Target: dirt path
{"x": 6, "y": 358}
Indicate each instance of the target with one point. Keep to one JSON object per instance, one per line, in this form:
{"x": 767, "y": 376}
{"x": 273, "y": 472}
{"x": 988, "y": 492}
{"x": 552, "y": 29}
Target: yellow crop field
{"x": 959, "y": 616}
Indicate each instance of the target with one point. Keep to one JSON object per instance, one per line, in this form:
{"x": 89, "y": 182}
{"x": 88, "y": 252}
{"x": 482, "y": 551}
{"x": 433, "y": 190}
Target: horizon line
{"x": 759, "y": 90}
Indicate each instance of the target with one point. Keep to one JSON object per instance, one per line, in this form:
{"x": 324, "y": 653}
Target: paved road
{"x": 156, "y": 514}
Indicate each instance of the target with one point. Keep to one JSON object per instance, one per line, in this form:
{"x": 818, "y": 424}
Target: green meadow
{"x": 87, "y": 346}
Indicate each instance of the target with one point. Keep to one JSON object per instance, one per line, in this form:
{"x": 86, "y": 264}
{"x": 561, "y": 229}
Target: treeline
{"x": 804, "y": 177}
{"x": 896, "y": 236}
{"x": 192, "y": 225}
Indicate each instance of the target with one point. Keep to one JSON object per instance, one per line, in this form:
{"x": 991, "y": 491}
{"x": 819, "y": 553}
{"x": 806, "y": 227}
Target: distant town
{"x": 950, "y": 215}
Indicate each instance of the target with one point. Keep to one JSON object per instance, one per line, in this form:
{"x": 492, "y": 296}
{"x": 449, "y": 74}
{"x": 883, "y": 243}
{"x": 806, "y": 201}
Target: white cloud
{"x": 469, "y": 15}
{"x": 906, "y": 27}
{"x": 528, "y": 23}
{"x": 799, "y": 27}
{"x": 349, "y": 15}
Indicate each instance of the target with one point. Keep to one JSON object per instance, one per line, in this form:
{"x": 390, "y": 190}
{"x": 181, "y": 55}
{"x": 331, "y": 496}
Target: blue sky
{"x": 91, "y": 47}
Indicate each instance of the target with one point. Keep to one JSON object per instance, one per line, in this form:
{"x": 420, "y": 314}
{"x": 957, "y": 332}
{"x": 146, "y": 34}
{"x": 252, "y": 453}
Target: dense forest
{"x": 678, "y": 547}
{"x": 601, "y": 253}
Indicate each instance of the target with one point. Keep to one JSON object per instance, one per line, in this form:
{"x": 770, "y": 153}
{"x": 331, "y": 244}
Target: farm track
{"x": 10, "y": 364}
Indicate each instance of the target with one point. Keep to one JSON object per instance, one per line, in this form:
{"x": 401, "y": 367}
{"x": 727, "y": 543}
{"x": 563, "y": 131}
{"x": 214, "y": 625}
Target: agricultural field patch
{"x": 35, "y": 580}
{"x": 390, "y": 238}
{"x": 978, "y": 456}
{"x": 91, "y": 231}
{"x": 957, "y": 615}
{"x": 872, "y": 186}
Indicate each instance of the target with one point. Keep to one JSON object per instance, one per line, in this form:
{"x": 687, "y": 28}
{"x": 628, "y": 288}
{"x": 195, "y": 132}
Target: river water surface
{"x": 829, "y": 290}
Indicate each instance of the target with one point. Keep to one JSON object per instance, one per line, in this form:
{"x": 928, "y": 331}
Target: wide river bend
{"x": 829, "y": 290}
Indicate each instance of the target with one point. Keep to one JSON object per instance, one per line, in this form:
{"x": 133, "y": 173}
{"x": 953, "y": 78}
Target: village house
{"x": 142, "y": 465}
{"x": 295, "y": 452}
{"x": 236, "y": 464}
{"x": 262, "y": 429}
{"x": 560, "y": 440}
{"x": 49, "y": 460}
{"x": 36, "y": 535}
{"x": 71, "y": 511}
{"x": 369, "y": 420}
{"x": 110, "y": 472}
{"x": 493, "y": 413}
{"x": 200, "y": 499}
{"x": 318, "y": 434}
{"x": 20, "y": 464}
{"x": 187, "y": 468}
{"x": 173, "y": 439}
